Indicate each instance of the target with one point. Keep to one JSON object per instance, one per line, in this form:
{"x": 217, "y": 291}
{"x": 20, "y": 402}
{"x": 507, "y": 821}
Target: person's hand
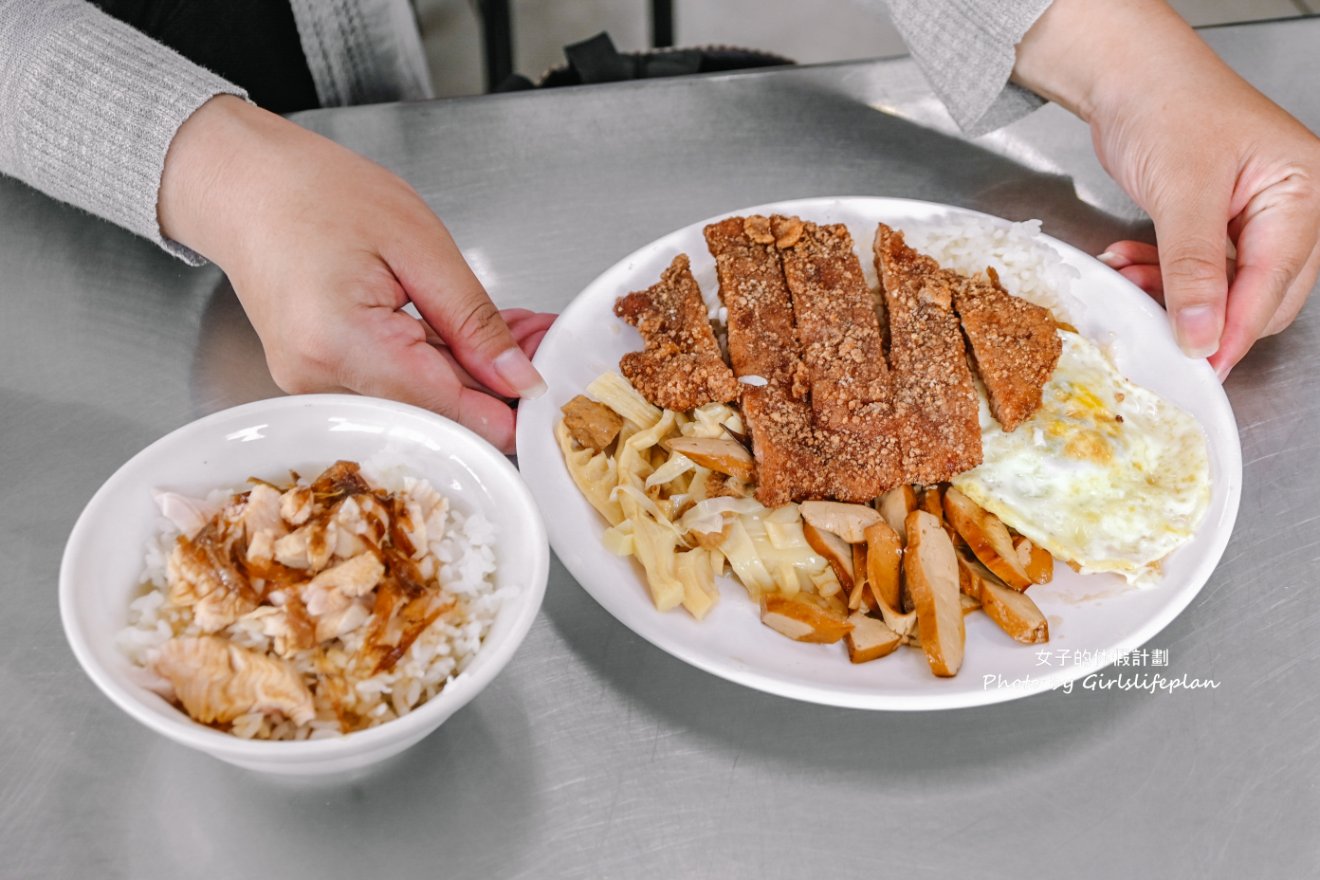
{"x": 1207, "y": 156}
{"x": 324, "y": 249}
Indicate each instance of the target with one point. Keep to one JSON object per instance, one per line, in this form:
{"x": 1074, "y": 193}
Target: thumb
{"x": 452, "y": 301}
{"x": 1193, "y": 235}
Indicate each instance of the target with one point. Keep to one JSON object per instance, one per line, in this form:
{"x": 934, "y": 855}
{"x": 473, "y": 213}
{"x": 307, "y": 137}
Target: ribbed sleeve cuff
{"x": 90, "y": 107}
{"x": 967, "y": 49}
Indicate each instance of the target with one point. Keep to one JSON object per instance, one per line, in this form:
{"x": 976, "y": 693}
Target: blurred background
{"x": 809, "y": 33}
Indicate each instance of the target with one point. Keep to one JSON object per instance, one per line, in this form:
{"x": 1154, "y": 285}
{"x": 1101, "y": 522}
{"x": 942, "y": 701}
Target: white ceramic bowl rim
{"x": 487, "y": 663}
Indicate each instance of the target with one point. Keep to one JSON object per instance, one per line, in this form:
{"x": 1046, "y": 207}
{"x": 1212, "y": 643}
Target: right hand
{"x": 324, "y": 248}
{"x": 1206, "y": 155}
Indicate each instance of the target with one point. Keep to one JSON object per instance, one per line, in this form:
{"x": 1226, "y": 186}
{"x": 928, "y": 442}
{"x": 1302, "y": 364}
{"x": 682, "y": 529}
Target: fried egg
{"x": 1106, "y": 475}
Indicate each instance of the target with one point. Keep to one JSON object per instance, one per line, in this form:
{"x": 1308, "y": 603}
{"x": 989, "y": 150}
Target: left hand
{"x": 528, "y": 329}
{"x": 325, "y": 249}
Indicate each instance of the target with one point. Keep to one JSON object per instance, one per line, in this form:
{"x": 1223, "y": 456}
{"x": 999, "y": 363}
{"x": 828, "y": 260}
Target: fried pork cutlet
{"x": 782, "y": 442}
{"x": 796, "y": 460}
{"x": 843, "y": 350}
{"x": 1014, "y": 346}
{"x": 837, "y": 327}
{"x": 760, "y": 324}
{"x": 934, "y": 400}
{"x": 680, "y": 367}
{"x": 796, "y": 456}
{"x": 762, "y": 343}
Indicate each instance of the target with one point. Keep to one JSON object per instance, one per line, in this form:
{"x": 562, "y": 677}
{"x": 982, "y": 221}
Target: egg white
{"x": 1106, "y": 474}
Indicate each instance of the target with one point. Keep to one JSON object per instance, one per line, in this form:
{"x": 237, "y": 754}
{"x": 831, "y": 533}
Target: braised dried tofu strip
{"x": 934, "y": 399}
{"x": 593, "y": 425}
{"x": 680, "y": 367}
{"x": 1014, "y": 346}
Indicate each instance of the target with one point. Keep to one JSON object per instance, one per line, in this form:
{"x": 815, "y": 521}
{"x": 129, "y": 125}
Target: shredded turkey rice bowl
{"x": 311, "y": 608}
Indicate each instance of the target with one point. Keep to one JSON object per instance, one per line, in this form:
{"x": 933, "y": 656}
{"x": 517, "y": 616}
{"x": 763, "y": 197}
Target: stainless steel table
{"x": 594, "y": 754}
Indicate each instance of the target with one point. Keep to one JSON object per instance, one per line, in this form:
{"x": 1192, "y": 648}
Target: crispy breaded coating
{"x": 761, "y": 338}
{"x": 1014, "y": 346}
{"x": 782, "y": 436}
{"x": 680, "y": 367}
{"x": 593, "y": 425}
{"x": 797, "y": 460}
{"x": 843, "y": 350}
{"x": 762, "y": 343}
{"x": 835, "y": 318}
{"x": 934, "y": 399}
{"x": 799, "y": 454}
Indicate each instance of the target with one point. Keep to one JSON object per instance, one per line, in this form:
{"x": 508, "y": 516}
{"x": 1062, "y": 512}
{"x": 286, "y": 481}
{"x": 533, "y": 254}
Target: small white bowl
{"x": 103, "y": 561}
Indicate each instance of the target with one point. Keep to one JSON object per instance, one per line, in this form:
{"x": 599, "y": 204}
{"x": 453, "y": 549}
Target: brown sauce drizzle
{"x": 405, "y": 603}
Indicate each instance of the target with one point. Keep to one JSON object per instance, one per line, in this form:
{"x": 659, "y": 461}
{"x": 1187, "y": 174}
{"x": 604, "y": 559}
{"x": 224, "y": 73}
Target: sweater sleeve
{"x": 89, "y": 106}
{"x": 967, "y": 49}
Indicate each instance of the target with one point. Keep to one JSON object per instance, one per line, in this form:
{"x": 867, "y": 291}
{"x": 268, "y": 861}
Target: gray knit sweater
{"x": 88, "y": 106}
{"x": 967, "y": 49}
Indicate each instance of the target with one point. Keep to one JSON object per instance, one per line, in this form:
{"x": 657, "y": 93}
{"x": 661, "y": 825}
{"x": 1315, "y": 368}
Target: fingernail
{"x": 1197, "y": 329}
{"x": 514, "y": 367}
{"x": 1222, "y": 372}
{"x": 1113, "y": 260}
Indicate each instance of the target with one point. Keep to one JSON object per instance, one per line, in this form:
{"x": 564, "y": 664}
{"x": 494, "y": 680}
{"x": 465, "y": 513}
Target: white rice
{"x": 1026, "y": 264}
{"x": 463, "y": 558}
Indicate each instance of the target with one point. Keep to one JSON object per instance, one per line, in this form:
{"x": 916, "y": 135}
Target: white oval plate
{"x": 1094, "y": 618}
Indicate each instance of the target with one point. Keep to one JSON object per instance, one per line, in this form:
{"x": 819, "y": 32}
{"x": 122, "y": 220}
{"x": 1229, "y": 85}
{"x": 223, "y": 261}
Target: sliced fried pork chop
{"x": 1014, "y": 345}
{"x": 680, "y": 368}
{"x": 934, "y": 398}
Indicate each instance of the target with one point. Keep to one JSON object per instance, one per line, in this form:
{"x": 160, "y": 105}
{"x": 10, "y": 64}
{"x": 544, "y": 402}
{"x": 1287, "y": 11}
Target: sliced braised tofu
{"x": 848, "y": 521}
{"x": 1015, "y": 613}
{"x": 804, "y": 620}
{"x": 835, "y": 550}
{"x": 931, "y": 500}
{"x": 720, "y": 454}
{"x": 884, "y": 553}
{"x": 860, "y": 595}
{"x": 987, "y": 537}
{"x": 930, "y": 568}
{"x": 902, "y": 622}
{"x": 895, "y": 505}
{"x": 1035, "y": 560}
{"x": 870, "y": 639}
{"x": 969, "y": 581}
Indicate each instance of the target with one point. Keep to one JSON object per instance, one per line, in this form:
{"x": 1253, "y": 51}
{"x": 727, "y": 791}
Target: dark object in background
{"x": 596, "y": 61}
{"x": 252, "y": 43}
{"x": 496, "y": 19}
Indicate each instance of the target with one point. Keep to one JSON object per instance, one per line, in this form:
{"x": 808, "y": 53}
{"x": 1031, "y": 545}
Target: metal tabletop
{"x": 595, "y": 754}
